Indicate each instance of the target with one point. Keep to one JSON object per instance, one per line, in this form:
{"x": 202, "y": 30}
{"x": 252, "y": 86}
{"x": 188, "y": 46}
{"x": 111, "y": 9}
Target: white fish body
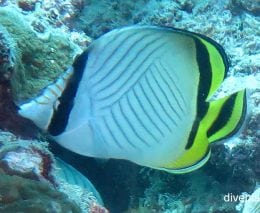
{"x": 134, "y": 95}
{"x": 99, "y": 108}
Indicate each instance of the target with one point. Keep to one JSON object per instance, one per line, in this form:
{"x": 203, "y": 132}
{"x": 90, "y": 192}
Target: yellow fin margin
{"x": 193, "y": 158}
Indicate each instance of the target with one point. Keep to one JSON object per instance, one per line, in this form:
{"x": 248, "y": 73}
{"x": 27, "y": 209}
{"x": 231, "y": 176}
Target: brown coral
{"x": 10, "y": 120}
{"x": 19, "y": 194}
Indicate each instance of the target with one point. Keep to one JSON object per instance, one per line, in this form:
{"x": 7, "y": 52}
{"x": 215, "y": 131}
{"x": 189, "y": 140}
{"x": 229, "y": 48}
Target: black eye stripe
{"x": 61, "y": 115}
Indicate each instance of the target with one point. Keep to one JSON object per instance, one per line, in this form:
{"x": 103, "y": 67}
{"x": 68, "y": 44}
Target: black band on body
{"x": 60, "y": 117}
{"x": 205, "y": 79}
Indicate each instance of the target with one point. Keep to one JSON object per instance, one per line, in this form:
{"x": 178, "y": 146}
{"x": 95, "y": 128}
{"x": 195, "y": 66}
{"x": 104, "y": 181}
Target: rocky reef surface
{"x": 40, "y": 38}
{"x": 33, "y": 180}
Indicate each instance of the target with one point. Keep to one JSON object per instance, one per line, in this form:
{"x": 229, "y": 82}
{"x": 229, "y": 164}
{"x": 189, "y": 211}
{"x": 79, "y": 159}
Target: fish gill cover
{"x": 39, "y": 39}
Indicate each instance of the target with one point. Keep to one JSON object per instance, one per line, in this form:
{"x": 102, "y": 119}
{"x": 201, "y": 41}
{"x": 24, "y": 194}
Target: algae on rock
{"x": 25, "y": 195}
{"x": 38, "y": 60}
{"x": 7, "y": 55}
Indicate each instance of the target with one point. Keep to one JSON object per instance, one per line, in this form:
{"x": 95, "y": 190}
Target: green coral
{"x": 38, "y": 60}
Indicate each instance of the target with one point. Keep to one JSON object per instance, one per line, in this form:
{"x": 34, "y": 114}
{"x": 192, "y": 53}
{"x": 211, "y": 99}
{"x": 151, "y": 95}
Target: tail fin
{"x": 229, "y": 118}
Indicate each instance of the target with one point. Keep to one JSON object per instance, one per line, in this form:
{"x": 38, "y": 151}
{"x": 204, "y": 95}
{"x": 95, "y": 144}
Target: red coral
{"x": 47, "y": 163}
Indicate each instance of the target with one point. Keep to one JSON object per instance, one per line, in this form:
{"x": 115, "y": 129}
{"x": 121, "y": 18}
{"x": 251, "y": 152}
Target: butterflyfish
{"x": 142, "y": 94}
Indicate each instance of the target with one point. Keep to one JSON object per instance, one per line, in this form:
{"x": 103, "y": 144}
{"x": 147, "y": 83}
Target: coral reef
{"x": 94, "y": 19}
{"x": 31, "y": 162}
{"x": 73, "y": 177}
{"x": 234, "y": 165}
{"x": 71, "y": 181}
{"x": 252, "y": 205}
{"x": 20, "y": 194}
{"x": 9, "y": 118}
{"x": 249, "y": 5}
{"x": 7, "y": 55}
{"x": 28, "y": 168}
{"x": 33, "y": 53}
{"x": 39, "y": 59}
{"x": 216, "y": 20}
{"x": 38, "y": 40}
